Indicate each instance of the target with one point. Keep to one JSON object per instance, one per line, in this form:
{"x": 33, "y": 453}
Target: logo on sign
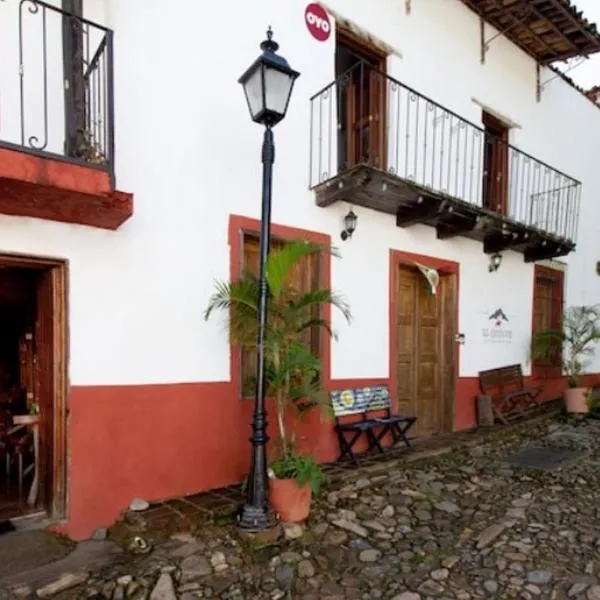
{"x": 317, "y": 22}
{"x": 497, "y": 329}
{"x": 499, "y": 317}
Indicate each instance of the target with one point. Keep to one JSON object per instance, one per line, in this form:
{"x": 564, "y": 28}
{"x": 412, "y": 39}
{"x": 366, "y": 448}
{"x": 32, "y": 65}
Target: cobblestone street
{"x": 479, "y": 522}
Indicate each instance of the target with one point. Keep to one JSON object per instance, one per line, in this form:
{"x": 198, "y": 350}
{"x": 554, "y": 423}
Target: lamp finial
{"x": 269, "y": 45}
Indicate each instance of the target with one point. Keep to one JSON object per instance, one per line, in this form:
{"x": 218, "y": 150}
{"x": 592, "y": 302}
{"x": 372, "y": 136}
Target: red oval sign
{"x": 317, "y": 22}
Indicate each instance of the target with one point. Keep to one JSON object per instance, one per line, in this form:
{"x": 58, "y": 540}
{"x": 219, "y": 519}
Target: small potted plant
{"x": 292, "y": 371}
{"x": 86, "y": 146}
{"x": 574, "y": 343}
{"x": 294, "y": 477}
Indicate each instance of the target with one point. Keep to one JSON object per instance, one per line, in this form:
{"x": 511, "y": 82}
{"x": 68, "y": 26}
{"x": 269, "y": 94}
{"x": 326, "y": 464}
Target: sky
{"x": 585, "y": 72}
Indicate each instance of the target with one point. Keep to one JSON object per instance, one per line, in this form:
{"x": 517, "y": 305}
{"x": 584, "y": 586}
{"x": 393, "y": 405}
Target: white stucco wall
{"x": 186, "y": 148}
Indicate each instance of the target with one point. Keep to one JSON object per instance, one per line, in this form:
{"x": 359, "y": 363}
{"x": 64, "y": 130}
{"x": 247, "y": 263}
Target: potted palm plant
{"x": 292, "y": 370}
{"x": 574, "y": 343}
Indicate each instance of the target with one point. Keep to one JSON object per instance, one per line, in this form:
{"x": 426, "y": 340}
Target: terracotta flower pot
{"x": 290, "y": 502}
{"x": 576, "y": 400}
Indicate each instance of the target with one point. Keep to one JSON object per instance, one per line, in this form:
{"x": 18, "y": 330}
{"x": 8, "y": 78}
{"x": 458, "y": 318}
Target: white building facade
{"x": 450, "y": 142}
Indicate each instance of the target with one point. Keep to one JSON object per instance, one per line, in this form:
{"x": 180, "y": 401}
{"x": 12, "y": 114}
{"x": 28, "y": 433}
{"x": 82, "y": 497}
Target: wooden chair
{"x": 507, "y": 389}
{"x": 15, "y": 442}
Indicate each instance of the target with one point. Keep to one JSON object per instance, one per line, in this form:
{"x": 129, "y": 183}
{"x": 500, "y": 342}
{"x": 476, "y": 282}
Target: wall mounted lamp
{"x": 495, "y": 262}
{"x": 349, "y": 225}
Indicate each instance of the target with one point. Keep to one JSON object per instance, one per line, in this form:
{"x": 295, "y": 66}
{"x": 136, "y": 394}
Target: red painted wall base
{"x": 161, "y": 441}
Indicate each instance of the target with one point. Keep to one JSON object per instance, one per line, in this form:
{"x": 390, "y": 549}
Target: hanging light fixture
{"x": 349, "y": 225}
{"x": 495, "y": 262}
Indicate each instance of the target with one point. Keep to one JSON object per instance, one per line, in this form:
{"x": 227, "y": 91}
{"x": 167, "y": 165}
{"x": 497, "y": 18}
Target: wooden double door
{"x": 425, "y": 348}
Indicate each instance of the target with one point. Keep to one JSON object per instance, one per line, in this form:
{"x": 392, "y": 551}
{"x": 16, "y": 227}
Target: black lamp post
{"x": 267, "y": 84}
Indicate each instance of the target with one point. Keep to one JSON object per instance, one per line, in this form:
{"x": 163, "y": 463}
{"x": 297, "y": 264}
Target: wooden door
{"x": 44, "y": 382}
{"x": 424, "y": 359}
{"x": 304, "y": 277}
{"x": 495, "y": 176}
{"x": 362, "y": 100}
{"x": 449, "y": 327}
{"x": 366, "y": 116}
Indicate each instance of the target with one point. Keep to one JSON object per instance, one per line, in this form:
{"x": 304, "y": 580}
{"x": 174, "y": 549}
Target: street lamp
{"x": 267, "y": 84}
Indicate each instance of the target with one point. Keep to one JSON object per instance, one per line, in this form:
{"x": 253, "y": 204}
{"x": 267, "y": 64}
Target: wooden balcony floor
{"x": 412, "y": 204}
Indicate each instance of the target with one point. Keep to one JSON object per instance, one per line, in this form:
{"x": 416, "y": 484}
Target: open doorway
{"x": 495, "y": 160}
{"x": 361, "y": 100}
{"x": 32, "y": 387}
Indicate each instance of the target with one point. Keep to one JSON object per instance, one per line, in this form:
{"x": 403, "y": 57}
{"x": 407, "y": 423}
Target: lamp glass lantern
{"x": 268, "y": 84}
{"x": 349, "y": 224}
{"x": 495, "y": 262}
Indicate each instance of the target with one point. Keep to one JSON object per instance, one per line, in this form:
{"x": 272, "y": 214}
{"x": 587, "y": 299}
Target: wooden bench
{"x": 363, "y": 403}
{"x": 507, "y": 389}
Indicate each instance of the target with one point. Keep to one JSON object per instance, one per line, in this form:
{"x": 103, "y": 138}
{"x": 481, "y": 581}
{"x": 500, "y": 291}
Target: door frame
{"x": 445, "y": 268}
{"x": 56, "y": 506}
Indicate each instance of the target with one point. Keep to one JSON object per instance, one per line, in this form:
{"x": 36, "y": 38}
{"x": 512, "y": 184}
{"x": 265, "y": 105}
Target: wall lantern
{"x": 349, "y": 225}
{"x": 495, "y": 262}
{"x": 268, "y": 84}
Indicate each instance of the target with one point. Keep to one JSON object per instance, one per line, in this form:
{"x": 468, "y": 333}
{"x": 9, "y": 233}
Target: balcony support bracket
{"x": 485, "y": 44}
{"x": 454, "y": 224}
{"x": 424, "y": 209}
{"x": 547, "y": 250}
{"x": 498, "y": 241}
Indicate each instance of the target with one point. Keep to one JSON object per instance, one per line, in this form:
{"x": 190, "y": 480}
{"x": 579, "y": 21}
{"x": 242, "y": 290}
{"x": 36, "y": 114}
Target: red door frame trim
{"x": 238, "y": 225}
{"x": 444, "y": 267}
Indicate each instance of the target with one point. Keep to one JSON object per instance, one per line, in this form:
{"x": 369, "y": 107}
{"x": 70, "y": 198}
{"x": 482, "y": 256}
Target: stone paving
{"x": 469, "y": 524}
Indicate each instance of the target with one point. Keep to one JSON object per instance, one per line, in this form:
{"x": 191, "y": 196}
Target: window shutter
{"x": 548, "y": 314}
{"x": 304, "y": 277}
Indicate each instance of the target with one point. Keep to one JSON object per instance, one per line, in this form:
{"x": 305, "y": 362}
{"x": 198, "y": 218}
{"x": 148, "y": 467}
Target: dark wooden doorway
{"x": 425, "y": 330}
{"x": 361, "y": 101}
{"x": 495, "y": 157}
{"x": 42, "y": 355}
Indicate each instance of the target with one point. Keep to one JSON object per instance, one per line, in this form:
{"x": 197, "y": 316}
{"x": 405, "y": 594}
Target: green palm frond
{"x": 317, "y": 323}
{"x": 293, "y": 372}
{"x": 281, "y": 263}
{"x": 545, "y": 342}
{"x": 578, "y": 337}
{"x": 320, "y": 297}
{"x": 240, "y": 299}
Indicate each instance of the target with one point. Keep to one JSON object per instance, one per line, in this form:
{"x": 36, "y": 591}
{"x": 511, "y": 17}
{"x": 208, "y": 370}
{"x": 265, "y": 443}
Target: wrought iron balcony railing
{"x": 56, "y": 84}
{"x": 368, "y": 118}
